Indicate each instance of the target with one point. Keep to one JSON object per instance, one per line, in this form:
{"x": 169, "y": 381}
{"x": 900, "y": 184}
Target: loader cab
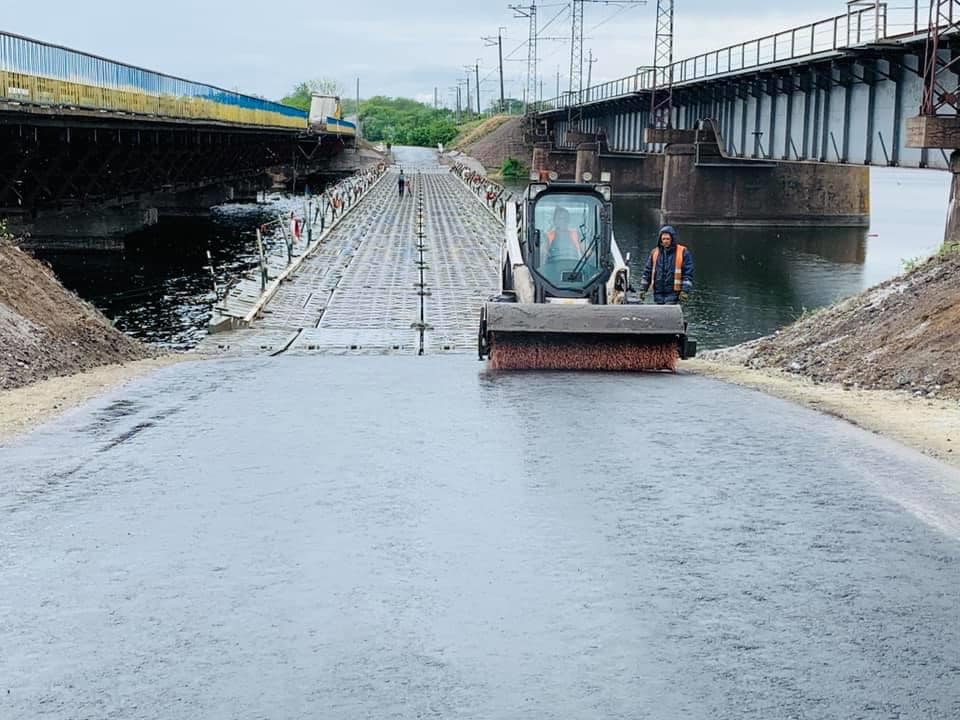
{"x": 569, "y": 240}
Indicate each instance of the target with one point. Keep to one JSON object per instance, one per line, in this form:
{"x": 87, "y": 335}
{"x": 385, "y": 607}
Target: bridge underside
{"x": 848, "y": 107}
{"x": 55, "y": 162}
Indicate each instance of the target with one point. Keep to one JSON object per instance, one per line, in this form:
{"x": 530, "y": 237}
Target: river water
{"x": 749, "y": 282}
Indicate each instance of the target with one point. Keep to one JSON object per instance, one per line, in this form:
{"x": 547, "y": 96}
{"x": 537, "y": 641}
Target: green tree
{"x": 403, "y": 121}
{"x": 300, "y": 96}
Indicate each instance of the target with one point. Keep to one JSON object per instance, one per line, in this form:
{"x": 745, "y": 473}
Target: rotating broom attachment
{"x": 547, "y": 351}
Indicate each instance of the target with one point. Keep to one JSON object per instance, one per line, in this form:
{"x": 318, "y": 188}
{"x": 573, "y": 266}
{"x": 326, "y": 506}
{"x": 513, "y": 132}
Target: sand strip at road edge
{"x": 931, "y": 426}
{"x": 22, "y": 409}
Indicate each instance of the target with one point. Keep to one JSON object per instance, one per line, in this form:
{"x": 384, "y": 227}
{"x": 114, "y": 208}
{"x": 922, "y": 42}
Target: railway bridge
{"x": 92, "y": 149}
{"x": 779, "y": 128}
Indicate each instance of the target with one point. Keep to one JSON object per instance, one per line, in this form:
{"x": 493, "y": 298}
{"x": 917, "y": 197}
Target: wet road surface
{"x": 403, "y": 537}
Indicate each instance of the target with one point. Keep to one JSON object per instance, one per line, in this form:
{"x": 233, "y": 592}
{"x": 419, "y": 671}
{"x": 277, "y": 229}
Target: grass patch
{"x": 910, "y": 264}
{"x": 512, "y": 168}
{"x": 472, "y": 131}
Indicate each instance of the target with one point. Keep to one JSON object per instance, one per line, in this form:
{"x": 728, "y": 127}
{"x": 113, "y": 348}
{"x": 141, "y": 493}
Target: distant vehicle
{"x": 327, "y": 116}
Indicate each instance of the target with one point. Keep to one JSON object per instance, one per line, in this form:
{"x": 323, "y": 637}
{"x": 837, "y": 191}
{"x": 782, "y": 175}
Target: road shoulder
{"x": 24, "y": 408}
{"x": 929, "y": 425}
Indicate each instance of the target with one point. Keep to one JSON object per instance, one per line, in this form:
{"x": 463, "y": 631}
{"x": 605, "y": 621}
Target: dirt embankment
{"x": 493, "y": 143}
{"x": 903, "y": 334}
{"x": 884, "y": 360}
{"x": 47, "y": 331}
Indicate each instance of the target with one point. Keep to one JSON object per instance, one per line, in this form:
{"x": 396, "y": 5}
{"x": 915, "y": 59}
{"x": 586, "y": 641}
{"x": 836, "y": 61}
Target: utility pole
{"x": 558, "y": 82}
{"x": 359, "y": 130}
{"x": 499, "y": 43}
{"x": 590, "y": 63}
{"x": 529, "y": 12}
{"x": 661, "y": 94}
{"x": 468, "y": 69}
{"x": 436, "y": 99}
{"x": 576, "y": 38}
{"x": 476, "y": 69}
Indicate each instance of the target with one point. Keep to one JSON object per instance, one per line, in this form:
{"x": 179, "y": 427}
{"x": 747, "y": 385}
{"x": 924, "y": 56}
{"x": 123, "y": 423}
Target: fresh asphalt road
{"x": 403, "y": 537}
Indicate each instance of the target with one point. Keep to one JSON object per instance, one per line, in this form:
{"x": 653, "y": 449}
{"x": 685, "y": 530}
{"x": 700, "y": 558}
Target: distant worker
{"x": 669, "y": 270}
{"x": 563, "y": 241}
{"x": 401, "y": 182}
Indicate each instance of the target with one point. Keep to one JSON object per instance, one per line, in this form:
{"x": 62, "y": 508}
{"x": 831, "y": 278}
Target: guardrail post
{"x": 263, "y": 262}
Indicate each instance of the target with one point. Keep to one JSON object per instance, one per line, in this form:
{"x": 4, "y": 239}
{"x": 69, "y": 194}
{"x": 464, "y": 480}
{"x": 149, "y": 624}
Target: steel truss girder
{"x": 44, "y": 166}
{"x": 941, "y": 86}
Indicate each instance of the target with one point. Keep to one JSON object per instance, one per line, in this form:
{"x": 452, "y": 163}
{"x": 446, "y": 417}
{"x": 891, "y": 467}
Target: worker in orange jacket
{"x": 669, "y": 270}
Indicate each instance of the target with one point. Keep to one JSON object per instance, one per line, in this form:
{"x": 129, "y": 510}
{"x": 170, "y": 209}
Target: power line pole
{"x": 436, "y": 99}
{"x": 661, "y": 94}
{"x": 529, "y": 12}
{"x": 590, "y": 63}
{"x": 499, "y": 43}
{"x": 576, "y": 46}
{"x": 558, "y": 82}
{"x": 476, "y": 69}
{"x": 576, "y": 38}
{"x": 469, "y": 108}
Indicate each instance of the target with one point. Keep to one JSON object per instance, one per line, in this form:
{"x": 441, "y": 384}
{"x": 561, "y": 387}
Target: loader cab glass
{"x": 569, "y": 239}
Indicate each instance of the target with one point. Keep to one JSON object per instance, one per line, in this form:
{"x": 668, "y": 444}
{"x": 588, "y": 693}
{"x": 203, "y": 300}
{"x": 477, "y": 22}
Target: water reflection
{"x": 750, "y": 281}
{"x": 158, "y": 288}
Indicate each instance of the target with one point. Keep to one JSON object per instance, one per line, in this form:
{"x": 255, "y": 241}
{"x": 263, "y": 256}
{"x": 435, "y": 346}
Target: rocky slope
{"x": 902, "y": 334}
{"x": 45, "y": 330}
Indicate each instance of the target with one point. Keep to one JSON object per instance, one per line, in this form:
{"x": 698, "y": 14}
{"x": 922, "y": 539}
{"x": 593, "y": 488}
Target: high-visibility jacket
{"x": 574, "y": 238}
{"x": 679, "y": 259}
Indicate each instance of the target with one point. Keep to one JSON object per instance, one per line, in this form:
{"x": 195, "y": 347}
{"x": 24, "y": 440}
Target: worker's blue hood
{"x": 670, "y": 231}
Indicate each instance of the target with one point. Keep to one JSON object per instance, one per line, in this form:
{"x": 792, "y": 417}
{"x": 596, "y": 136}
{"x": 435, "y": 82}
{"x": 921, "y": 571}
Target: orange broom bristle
{"x": 542, "y": 351}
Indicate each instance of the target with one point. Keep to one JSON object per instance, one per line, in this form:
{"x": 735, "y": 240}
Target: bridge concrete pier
{"x": 105, "y": 227}
{"x": 951, "y": 232}
{"x": 749, "y": 193}
{"x": 195, "y": 203}
{"x": 94, "y": 228}
{"x": 634, "y": 174}
{"x": 588, "y": 161}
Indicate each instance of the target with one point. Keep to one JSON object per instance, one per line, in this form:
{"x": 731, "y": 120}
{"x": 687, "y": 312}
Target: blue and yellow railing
{"x": 38, "y": 73}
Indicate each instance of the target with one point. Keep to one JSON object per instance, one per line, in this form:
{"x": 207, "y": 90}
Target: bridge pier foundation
{"x": 745, "y": 193}
{"x": 94, "y": 228}
{"x": 951, "y": 232}
{"x": 637, "y": 174}
{"x": 192, "y": 203}
{"x": 588, "y": 161}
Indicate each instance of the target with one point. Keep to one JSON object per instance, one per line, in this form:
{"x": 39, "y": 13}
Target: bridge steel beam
{"x": 848, "y": 106}
{"x": 54, "y": 164}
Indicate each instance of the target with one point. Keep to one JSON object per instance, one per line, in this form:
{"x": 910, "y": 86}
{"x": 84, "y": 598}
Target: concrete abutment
{"x": 762, "y": 194}
{"x": 697, "y": 185}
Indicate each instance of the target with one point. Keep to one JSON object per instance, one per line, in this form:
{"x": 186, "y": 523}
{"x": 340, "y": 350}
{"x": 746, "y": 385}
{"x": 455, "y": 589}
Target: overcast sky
{"x": 402, "y": 48}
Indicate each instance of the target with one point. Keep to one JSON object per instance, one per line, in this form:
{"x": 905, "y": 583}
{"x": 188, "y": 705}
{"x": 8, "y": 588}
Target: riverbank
{"x": 493, "y": 143}
{"x": 46, "y": 331}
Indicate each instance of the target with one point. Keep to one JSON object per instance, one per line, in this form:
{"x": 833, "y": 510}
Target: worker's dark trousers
{"x": 401, "y": 190}
{"x": 666, "y": 298}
